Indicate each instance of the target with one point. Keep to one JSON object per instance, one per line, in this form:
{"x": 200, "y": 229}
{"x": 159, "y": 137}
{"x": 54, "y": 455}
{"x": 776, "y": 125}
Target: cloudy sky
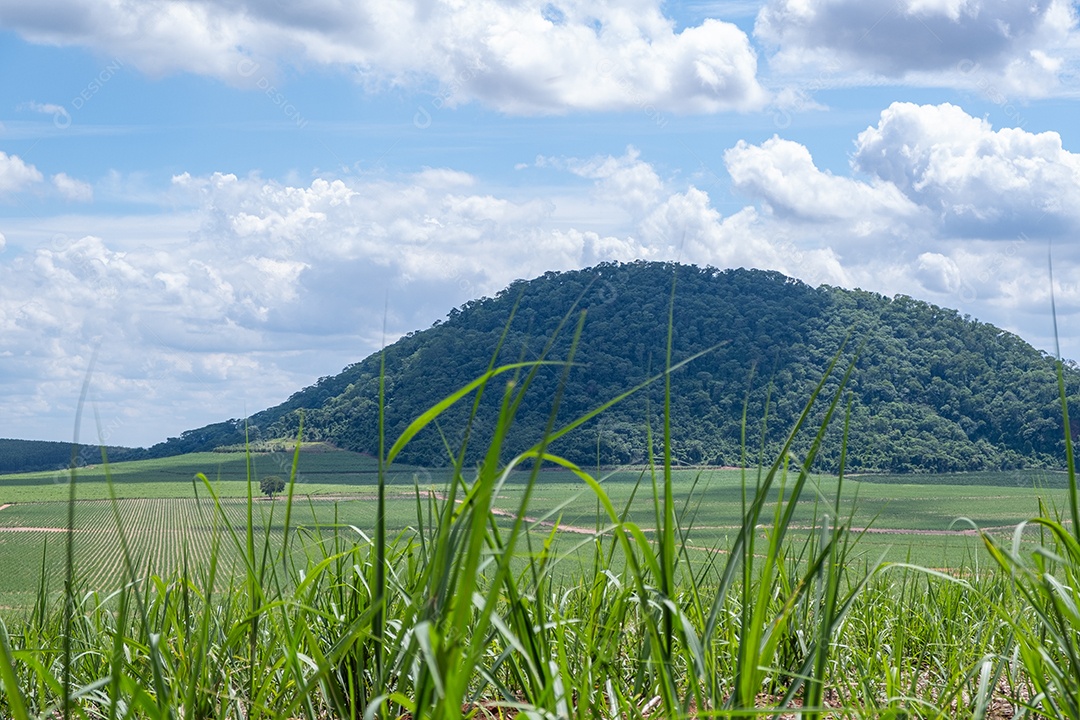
{"x": 229, "y": 199}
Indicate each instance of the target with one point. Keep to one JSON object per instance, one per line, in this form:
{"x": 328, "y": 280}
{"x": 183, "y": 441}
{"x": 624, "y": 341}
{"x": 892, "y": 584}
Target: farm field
{"x": 168, "y": 519}
{"x": 337, "y": 467}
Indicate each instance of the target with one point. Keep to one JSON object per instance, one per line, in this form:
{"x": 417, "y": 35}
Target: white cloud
{"x": 685, "y": 227}
{"x": 15, "y": 174}
{"x": 782, "y": 173}
{"x": 444, "y": 178}
{"x": 626, "y": 181}
{"x": 662, "y": 221}
{"x": 939, "y": 273}
{"x": 923, "y": 177}
{"x": 3, "y": 242}
{"x": 1023, "y": 49}
{"x": 519, "y": 57}
{"x": 61, "y": 117}
{"x": 262, "y": 244}
{"x": 46, "y": 108}
{"x": 978, "y": 181}
{"x": 73, "y": 189}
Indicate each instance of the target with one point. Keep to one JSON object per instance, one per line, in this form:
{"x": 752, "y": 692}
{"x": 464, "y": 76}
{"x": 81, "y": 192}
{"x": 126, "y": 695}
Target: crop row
{"x": 163, "y": 535}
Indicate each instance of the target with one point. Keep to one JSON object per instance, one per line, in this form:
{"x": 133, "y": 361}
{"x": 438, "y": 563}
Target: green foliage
{"x": 933, "y": 391}
{"x": 17, "y": 456}
{"x": 204, "y": 439}
{"x": 1048, "y": 637}
{"x": 271, "y": 485}
{"x": 320, "y": 466}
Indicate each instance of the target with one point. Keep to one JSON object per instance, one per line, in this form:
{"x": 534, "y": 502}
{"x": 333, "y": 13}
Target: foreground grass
{"x": 573, "y": 639}
{"x": 910, "y": 642}
{"x": 478, "y": 606}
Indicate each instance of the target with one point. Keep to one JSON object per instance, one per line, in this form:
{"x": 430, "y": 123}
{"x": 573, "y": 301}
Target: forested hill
{"x": 33, "y": 455}
{"x": 933, "y": 391}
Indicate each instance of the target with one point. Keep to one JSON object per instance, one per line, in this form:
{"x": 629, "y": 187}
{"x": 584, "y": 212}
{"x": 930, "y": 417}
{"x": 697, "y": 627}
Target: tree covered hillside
{"x": 933, "y": 391}
{"x": 18, "y": 456}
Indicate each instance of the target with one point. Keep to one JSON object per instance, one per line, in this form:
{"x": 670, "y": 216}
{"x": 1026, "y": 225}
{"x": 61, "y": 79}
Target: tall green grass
{"x": 1047, "y": 583}
{"x": 469, "y": 613}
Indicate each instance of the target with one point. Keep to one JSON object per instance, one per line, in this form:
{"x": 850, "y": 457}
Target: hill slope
{"x": 18, "y": 456}
{"x": 933, "y": 391}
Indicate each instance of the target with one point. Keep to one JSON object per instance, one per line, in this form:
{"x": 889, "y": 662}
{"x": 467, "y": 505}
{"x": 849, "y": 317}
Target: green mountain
{"x": 932, "y": 391}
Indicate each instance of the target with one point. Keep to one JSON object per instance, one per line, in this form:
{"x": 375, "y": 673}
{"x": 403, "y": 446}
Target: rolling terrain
{"x": 167, "y": 513}
{"x": 932, "y": 391}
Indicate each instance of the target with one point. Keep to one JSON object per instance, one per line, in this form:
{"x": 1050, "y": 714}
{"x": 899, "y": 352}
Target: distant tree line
{"x": 18, "y": 456}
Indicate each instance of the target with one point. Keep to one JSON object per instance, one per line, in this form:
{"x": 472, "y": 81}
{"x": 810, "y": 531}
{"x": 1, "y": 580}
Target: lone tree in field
{"x": 271, "y": 484}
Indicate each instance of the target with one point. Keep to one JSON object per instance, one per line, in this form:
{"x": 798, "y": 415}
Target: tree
{"x": 271, "y": 484}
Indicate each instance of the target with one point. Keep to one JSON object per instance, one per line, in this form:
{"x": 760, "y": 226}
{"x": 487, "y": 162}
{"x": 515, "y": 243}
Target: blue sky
{"x": 226, "y": 200}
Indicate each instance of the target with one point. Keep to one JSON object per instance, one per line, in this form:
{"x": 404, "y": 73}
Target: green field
{"x": 337, "y": 467}
{"x": 605, "y": 591}
{"x": 169, "y": 517}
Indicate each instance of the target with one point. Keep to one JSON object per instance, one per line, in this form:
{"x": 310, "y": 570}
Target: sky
{"x": 207, "y": 205}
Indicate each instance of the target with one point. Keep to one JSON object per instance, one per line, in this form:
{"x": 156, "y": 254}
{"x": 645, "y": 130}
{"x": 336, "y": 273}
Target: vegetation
{"x": 907, "y": 523}
{"x": 271, "y": 485}
{"x": 932, "y": 392}
{"x": 339, "y": 467}
{"x": 477, "y": 610}
{"x": 18, "y": 456}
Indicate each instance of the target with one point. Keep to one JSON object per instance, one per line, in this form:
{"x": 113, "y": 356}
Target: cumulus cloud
{"x": 15, "y": 174}
{"x": 923, "y": 173}
{"x": 519, "y": 57}
{"x": 425, "y": 224}
{"x": 783, "y": 174}
{"x": 627, "y": 181}
{"x": 72, "y": 189}
{"x": 939, "y": 273}
{"x": 1023, "y": 47}
{"x": 977, "y": 180}
{"x": 663, "y": 221}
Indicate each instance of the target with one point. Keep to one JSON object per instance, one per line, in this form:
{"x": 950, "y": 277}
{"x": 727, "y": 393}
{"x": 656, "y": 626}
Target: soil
{"x": 32, "y": 529}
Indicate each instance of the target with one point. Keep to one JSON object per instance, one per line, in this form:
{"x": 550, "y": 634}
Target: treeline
{"x": 204, "y": 439}
{"x": 933, "y": 391}
{"x": 18, "y": 456}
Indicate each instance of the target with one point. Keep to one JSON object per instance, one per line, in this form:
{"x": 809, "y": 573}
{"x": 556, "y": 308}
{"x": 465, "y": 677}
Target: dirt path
{"x": 869, "y": 530}
{"x": 546, "y": 523}
{"x": 902, "y": 531}
{"x": 872, "y": 530}
{"x": 32, "y": 529}
{"x": 28, "y": 529}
